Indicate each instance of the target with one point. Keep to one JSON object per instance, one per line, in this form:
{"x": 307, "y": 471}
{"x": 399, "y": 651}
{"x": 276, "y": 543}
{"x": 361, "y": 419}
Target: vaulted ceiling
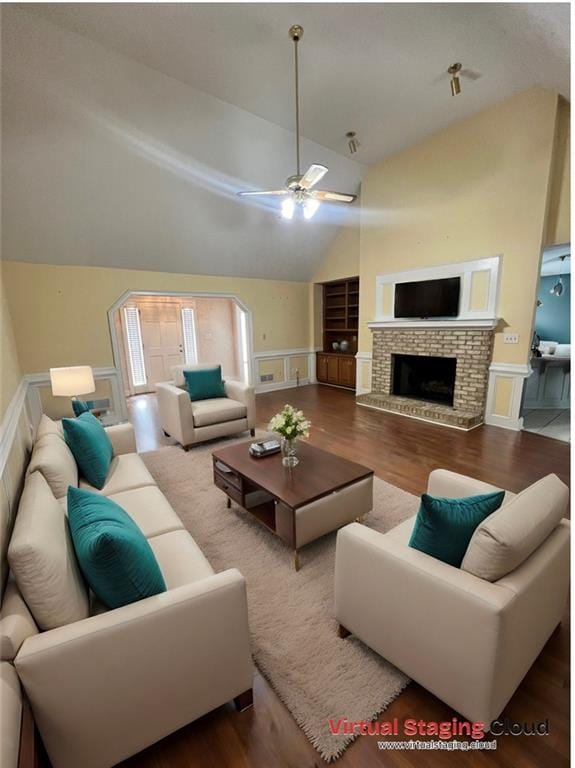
{"x": 128, "y": 128}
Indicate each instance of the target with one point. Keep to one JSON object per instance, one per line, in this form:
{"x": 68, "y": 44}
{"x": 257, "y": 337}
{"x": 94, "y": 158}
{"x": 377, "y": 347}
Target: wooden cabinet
{"x": 336, "y": 368}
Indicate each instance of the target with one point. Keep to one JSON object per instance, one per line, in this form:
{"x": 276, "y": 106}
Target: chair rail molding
{"x": 504, "y": 394}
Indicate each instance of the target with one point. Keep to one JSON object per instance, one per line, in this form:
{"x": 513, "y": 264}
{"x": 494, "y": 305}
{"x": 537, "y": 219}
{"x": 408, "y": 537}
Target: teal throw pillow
{"x": 113, "y": 553}
{"x": 91, "y": 447}
{"x": 203, "y": 383}
{"x": 444, "y": 527}
{"x": 79, "y": 407}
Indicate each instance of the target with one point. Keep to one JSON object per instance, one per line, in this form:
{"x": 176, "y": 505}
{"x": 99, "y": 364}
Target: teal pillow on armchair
{"x": 444, "y": 527}
{"x": 113, "y": 553}
{"x": 90, "y": 446}
{"x": 203, "y": 383}
{"x": 79, "y": 407}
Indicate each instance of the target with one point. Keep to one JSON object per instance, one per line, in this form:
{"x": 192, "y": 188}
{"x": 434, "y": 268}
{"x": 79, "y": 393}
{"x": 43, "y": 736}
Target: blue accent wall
{"x": 553, "y": 319}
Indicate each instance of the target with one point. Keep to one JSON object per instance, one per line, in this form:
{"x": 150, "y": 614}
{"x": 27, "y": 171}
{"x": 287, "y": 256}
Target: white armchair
{"x": 191, "y": 422}
{"x": 467, "y": 640}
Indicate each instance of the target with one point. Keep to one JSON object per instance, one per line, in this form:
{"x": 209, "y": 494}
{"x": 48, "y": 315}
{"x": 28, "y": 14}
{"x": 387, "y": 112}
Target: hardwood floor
{"x": 403, "y": 452}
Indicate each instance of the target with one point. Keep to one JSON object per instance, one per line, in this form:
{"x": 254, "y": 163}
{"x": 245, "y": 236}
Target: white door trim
{"x": 126, "y": 295}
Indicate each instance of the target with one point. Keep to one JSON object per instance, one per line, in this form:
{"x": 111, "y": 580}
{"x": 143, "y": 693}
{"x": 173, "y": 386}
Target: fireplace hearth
{"x": 424, "y": 377}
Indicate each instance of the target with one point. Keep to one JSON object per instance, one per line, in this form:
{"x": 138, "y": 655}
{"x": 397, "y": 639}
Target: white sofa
{"x": 468, "y": 640}
{"x": 194, "y": 422}
{"x": 107, "y": 685}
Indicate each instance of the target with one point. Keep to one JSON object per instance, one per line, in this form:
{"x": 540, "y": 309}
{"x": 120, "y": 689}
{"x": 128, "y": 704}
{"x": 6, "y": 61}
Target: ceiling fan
{"x": 298, "y": 192}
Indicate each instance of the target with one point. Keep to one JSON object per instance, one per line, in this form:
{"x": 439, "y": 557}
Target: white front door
{"x": 162, "y": 341}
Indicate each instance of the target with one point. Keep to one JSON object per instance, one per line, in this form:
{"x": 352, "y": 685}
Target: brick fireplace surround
{"x": 472, "y": 347}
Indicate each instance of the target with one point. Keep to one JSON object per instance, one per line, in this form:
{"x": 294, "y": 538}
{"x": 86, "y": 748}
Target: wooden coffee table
{"x": 299, "y": 504}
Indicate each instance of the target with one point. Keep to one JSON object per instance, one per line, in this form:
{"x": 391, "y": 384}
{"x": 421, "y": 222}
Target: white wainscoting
{"x": 362, "y": 373}
{"x": 285, "y": 356}
{"x": 16, "y": 438}
{"x": 504, "y": 409}
{"x": 19, "y": 425}
{"x": 116, "y": 413}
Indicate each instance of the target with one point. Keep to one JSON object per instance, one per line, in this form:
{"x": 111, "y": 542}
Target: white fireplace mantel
{"x": 455, "y": 324}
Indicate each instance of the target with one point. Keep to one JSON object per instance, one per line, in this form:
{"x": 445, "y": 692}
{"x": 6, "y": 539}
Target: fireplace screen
{"x": 424, "y": 378}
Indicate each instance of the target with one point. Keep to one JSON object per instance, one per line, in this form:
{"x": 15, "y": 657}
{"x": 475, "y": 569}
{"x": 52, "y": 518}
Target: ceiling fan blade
{"x": 333, "y": 197}
{"x": 311, "y": 177}
{"x": 269, "y": 192}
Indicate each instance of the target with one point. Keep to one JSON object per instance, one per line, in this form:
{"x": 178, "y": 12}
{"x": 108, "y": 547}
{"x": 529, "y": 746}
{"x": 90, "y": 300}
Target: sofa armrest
{"x": 122, "y": 438}
{"x": 175, "y": 410}
{"x": 438, "y": 624}
{"x": 106, "y": 687}
{"x": 442, "y": 482}
{"x": 243, "y": 393}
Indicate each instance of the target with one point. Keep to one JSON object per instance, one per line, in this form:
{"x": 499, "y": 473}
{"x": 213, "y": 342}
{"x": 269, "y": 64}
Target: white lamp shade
{"x": 72, "y": 381}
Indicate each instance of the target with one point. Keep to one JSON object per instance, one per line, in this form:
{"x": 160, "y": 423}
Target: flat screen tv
{"x": 428, "y": 298}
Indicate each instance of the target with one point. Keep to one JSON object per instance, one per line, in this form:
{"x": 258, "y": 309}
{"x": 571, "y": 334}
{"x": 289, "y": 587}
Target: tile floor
{"x": 550, "y": 422}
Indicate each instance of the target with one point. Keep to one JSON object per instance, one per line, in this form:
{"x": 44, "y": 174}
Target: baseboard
{"x": 516, "y": 425}
{"x": 260, "y": 389}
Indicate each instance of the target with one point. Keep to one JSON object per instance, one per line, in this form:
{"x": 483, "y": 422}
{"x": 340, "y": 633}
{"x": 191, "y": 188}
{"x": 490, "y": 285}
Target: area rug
{"x": 295, "y": 644}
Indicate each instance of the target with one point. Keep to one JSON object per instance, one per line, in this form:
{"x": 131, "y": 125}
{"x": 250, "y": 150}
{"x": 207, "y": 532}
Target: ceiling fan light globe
{"x": 310, "y": 207}
{"x": 288, "y": 208}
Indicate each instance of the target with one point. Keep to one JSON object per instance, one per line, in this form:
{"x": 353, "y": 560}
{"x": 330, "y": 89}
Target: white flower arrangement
{"x": 290, "y": 423}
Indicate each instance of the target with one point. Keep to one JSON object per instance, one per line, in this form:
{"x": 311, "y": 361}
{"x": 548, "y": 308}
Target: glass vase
{"x": 289, "y": 452}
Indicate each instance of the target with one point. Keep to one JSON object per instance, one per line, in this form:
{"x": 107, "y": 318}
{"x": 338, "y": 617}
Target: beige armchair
{"x": 194, "y": 422}
{"x": 468, "y": 640}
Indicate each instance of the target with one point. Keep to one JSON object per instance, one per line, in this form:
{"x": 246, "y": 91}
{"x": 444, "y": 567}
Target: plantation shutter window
{"x": 189, "y": 328}
{"x": 135, "y": 347}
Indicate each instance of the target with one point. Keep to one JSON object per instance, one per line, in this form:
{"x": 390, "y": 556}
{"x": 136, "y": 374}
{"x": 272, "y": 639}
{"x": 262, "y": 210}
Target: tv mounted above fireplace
{"x": 428, "y": 298}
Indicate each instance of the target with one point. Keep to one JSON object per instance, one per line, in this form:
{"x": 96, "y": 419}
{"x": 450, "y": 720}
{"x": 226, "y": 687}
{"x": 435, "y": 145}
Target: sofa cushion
{"x": 205, "y": 383}
{"x": 126, "y": 471}
{"x": 217, "y": 410}
{"x": 91, "y": 447}
{"x": 54, "y": 460}
{"x": 42, "y": 558}
{"x": 47, "y": 426}
{"x": 507, "y": 538}
{"x": 113, "y": 553}
{"x": 444, "y": 527}
{"x": 11, "y": 708}
{"x": 16, "y": 622}
{"x": 149, "y": 509}
{"x": 180, "y": 559}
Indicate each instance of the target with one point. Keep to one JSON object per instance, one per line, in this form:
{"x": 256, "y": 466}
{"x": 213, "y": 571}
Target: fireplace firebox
{"x": 424, "y": 377}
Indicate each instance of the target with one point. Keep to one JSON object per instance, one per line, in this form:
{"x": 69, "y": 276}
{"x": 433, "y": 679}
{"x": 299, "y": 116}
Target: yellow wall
{"x": 559, "y": 217}
{"x": 59, "y": 313}
{"x": 342, "y": 257}
{"x": 476, "y": 189}
{"x": 10, "y": 373}
{"x": 341, "y": 260}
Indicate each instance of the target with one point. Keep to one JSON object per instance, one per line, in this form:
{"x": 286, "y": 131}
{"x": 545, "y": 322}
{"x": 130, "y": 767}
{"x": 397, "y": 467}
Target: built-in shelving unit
{"x": 340, "y": 324}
